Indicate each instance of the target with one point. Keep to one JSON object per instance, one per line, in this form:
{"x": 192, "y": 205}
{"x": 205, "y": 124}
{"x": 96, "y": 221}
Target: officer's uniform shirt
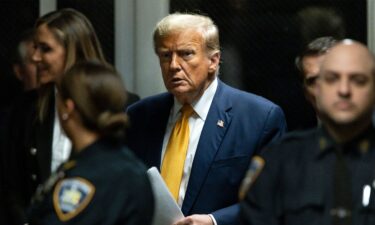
{"x": 103, "y": 184}
{"x": 292, "y": 181}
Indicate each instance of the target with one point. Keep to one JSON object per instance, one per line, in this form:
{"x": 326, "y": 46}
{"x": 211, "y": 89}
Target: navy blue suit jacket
{"x": 223, "y": 152}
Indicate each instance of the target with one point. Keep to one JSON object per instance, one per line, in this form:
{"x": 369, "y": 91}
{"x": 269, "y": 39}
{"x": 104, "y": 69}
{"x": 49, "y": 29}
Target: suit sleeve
{"x": 228, "y": 215}
{"x": 275, "y": 127}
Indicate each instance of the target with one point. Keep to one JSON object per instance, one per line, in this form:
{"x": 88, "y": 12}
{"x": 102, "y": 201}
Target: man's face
{"x": 26, "y": 70}
{"x": 345, "y": 90}
{"x": 30, "y": 71}
{"x": 311, "y": 67}
{"x": 186, "y": 66}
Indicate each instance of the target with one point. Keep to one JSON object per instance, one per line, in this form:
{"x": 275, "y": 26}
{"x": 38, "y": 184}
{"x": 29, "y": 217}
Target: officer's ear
{"x": 69, "y": 106}
{"x": 66, "y": 108}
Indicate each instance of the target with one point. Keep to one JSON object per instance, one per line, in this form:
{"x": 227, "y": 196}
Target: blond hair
{"x": 182, "y": 21}
{"x": 75, "y": 32}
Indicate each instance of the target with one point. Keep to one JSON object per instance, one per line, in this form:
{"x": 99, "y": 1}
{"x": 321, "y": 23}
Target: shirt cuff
{"x": 213, "y": 219}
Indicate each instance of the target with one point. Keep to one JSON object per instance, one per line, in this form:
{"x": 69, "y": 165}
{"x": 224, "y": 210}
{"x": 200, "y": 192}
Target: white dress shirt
{"x": 196, "y": 123}
{"x": 61, "y": 145}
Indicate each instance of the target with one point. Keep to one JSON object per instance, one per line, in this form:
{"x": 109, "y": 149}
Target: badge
{"x": 71, "y": 196}
{"x": 256, "y": 165}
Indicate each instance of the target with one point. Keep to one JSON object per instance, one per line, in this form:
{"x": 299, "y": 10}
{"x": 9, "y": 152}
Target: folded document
{"x": 166, "y": 211}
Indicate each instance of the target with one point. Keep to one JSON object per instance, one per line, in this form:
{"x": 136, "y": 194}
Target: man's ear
{"x": 214, "y": 62}
{"x": 18, "y": 71}
{"x": 317, "y": 86}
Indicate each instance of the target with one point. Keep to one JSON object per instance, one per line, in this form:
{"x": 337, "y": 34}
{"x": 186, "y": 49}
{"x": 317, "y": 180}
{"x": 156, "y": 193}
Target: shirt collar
{"x": 202, "y": 105}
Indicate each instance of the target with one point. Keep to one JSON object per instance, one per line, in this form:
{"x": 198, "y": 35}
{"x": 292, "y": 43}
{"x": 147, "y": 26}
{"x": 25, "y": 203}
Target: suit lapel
{"x": 44, "y": 138}
{"x": 217, "y": 123}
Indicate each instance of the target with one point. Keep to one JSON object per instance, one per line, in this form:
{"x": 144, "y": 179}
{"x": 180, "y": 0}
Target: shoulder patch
{"x": 71, "y": 196}
{"x": 256, "y": 166}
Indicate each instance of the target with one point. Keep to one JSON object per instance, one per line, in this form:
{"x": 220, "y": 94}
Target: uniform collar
{"x": 360, "y": 144}
{"x": 91, "y": 149}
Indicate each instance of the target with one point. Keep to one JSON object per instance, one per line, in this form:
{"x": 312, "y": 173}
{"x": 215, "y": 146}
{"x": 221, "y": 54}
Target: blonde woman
{"x": 37, "y": 144}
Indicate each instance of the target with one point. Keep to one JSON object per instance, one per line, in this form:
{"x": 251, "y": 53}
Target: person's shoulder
{"x": 133, "y": 163}
{"x": 23, "y": 110}
{"x": 243, "y": 102}
{"x": 295, "y": 141}
{"x": 151, "y": 101}
{"x": 126, "y": 167}
{"x": 105, "y": 160}
{"x": 131, "y": 99}
{"x": 300, "y": 135}
{"x": 244, "y": 97}
{"x": 26, "y": 99}
{"x": 125, "y": 160}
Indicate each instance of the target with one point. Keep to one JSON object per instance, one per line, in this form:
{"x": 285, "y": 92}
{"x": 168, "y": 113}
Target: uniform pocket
{"x": 367, "y": 209}
{"x": 302, "y": 201}
{"x": 303, "y": 208}
{"x": 304, "y": 195}
{"x": 231, "y": 169}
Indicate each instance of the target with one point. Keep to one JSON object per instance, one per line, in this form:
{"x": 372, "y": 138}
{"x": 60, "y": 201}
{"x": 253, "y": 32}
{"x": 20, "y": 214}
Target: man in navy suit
{"x": 227, "y": 126}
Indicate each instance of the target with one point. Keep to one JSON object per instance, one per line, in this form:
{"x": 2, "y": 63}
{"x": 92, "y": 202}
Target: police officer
{"x": 102, "y": 183}
{"x": 327, "y": 175}
{"x": 308, "y": 64}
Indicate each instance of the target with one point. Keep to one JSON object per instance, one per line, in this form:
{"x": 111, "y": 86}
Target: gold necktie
{"x": 175, "y": 154}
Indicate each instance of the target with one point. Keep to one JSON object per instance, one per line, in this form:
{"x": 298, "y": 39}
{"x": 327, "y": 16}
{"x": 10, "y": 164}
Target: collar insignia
{"x": 364, "y": 146}
{"x": 322, "y": 143}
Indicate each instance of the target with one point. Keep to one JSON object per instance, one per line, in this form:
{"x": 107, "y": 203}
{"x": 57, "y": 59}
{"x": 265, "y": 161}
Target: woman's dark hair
{"x": 99, "y": 96}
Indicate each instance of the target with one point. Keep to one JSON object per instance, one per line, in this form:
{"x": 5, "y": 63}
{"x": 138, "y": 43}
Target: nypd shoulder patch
{"x": 256, "y": 166}
{"x": 71, "y": 196}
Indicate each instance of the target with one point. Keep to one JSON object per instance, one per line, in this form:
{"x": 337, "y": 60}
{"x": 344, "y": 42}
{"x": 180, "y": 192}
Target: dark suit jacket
{"x": 28, "y": 159}
{"x": 132, "y": 98}
{"x": 223, "y": 153}
{"x": 4, "y": 118}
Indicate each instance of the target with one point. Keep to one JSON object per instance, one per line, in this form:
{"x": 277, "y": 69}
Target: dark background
{"x": 16, "y": 16}
{"x": 260, "y": 40}
{"x": 19, "y": 15}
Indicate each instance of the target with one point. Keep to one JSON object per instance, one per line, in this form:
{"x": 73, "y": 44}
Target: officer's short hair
{"x": 317, "y": 47}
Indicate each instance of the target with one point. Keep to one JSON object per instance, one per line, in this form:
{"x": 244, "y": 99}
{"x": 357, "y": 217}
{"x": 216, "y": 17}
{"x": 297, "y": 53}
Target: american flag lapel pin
{"x": 220, "y": 123}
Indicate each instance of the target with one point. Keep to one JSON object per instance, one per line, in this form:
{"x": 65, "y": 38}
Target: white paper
{"x": 166, "y": 209}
